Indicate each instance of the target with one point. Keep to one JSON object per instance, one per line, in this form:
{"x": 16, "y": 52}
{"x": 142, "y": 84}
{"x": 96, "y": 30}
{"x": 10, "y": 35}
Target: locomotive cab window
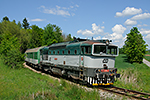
{"x": 112, "y": 50}
{"x": 99, "y": 48}
{"x": 87, "y": 50}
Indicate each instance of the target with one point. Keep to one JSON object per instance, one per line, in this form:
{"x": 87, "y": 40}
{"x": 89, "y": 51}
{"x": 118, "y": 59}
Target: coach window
{"x": 50, "y": 52}
{"x": 57, "y": 52}
{"x": 68, "y": 51}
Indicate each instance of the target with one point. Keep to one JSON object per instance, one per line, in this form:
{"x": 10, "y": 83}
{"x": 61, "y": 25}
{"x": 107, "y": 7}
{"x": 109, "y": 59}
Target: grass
{"x": 133, "y": 76}
{"x": 24, "y": 84}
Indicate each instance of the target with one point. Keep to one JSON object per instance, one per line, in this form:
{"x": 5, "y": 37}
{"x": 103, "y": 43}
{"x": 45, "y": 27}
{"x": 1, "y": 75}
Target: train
{"x": 89, "y": 61}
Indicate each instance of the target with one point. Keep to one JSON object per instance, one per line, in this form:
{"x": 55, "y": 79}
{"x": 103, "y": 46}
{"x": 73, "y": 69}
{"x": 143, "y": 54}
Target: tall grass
{"x": 23, "y": 84}
{"x": 133, "y": 76}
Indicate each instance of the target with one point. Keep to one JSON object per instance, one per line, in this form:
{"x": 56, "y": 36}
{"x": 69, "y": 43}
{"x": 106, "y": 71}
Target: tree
{"x": 135, "y": 46}
{"x": 52, "y": 34}
{"x": 19, "y": 25}
{"x": 25, "y": 24}
{"x": 36, "y": 34}
{"x": 69, "y": 38}
{"x": 5, "y": 18}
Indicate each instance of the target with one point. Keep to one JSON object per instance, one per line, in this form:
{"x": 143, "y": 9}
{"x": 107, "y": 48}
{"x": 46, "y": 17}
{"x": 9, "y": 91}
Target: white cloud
{"x": 141, "y": 16}
{"x": 129, "y": 11}
{"x": 77, "y": 5}
{"x": 118, "y": 30}
{"x": 142, "y": 25}
{"x": 133, "y": 20}
{"x": 148, "y": 36}
{"x": 144, "y": 31}
{"x": 37, "y": 20}
{"x": 130, "y": 22}
{"x": 63, "y": 11}
{"x": 97, "y": 38}
{"x": 95, "y": 30}
{"x": 85, "y": 32}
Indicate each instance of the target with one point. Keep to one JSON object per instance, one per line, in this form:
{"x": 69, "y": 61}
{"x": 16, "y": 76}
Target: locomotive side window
{"x": 63, "y": 52}
{"x": 68, "y": 51}
{"x": 82, "y": 50}
{"x": 99, "y": 48}
{"x": 75, "y": 52}
{"x": 112, "y": 50}
{"x": 87, "y": 50}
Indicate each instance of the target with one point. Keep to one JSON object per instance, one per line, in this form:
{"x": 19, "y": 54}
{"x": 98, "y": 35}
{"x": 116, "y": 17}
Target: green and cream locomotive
{"x": 90, "y": 61}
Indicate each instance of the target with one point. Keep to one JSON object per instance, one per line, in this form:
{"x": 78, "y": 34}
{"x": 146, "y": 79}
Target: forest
{"x": 16, "y": 38}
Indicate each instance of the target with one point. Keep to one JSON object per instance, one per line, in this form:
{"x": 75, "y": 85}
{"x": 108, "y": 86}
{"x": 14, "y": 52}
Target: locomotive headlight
{"x": 105, "y": 66}
{"x": 108, "y": 79}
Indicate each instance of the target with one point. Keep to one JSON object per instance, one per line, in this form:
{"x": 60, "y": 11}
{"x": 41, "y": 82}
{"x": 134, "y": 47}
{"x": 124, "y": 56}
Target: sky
{"x": 100, "y": 19}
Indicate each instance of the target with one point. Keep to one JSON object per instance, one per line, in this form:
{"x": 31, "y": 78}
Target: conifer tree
{"x": 25, "y": 24}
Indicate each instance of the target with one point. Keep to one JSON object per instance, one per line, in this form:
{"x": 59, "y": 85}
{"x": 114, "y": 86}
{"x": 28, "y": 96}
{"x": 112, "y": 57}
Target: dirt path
{"x": 146, "y": 62}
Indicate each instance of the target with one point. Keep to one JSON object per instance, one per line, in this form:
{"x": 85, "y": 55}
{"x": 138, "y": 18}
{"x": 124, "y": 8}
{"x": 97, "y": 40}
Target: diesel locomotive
{"x": 90, "y": 61}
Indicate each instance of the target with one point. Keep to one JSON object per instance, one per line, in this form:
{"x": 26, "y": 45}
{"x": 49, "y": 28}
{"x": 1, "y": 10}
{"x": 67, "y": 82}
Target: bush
{"x": 10, "y": 50}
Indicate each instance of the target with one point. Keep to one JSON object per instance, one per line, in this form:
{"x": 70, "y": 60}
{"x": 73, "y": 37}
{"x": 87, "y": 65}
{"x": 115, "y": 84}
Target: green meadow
{"x": 24, "y": 84}
{"x": 133, "y": 76}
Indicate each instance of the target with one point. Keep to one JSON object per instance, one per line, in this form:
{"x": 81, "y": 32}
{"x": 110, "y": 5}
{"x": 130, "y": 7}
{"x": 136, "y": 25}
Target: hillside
{"x": 24, "y": 84}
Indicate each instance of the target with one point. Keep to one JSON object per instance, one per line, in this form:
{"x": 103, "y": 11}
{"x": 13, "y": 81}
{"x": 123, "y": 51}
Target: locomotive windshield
{"x": 99, "y": 48}
{"x": 103, "y": 49}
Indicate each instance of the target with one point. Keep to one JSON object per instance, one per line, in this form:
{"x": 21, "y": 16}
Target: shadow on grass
{"x": 125, "y": 59}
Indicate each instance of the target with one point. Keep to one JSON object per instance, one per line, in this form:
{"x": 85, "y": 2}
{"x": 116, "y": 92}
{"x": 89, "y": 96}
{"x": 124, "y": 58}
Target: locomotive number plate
{"x": 105, "y": 61}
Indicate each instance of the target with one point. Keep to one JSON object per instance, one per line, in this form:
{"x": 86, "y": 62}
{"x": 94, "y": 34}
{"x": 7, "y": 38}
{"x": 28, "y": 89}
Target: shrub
{"x": 10, "y": 51}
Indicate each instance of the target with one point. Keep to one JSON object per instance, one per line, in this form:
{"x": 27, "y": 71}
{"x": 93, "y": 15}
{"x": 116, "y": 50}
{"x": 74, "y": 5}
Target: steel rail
{"x": 127, "y": 92}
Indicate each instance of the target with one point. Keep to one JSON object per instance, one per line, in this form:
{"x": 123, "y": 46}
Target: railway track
{"x": 113, "y": 89}
{"x": 126, "y": 92}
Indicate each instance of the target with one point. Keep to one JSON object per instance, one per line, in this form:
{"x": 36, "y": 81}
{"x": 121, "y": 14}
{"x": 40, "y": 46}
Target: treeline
{"x": 15, "y": 38}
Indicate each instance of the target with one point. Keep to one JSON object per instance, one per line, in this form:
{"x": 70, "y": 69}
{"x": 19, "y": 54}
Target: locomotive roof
{"x": 34, "y": 49}
{"x": 78, "y": 43}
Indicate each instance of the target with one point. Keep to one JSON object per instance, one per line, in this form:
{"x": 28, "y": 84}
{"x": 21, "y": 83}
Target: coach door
{"x": 41, "y": 55}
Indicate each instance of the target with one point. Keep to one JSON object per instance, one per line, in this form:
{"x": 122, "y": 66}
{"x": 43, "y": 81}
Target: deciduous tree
{"x": 135, "y": 46}
{"x": 5, "y": 18}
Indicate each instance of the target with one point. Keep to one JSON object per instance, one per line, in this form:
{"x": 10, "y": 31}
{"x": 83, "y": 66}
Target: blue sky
{"x": 101, "y": 19}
